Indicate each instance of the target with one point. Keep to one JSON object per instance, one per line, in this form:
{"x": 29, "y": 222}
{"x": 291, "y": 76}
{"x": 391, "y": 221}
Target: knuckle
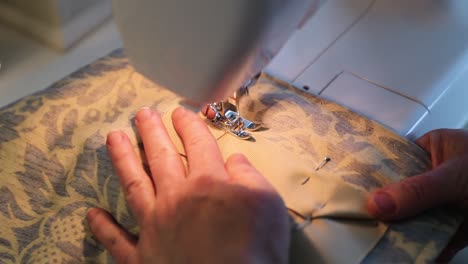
{"x": 199, "y": 141}
{"x": 162, "y": 152}
{"x": 262, "y": 202}
{"x": 95, "y": 220}
{"x": 243, "y": 168}
{"x": 168, "y": 207}
{"x": 240, "y": 168}
{"x": 414, "y": 188}
{"x": 98, "y": 224}
{"x": 121, "y": 156}
{"x": 112, "y": 241}
{"x": 235, "y": 159}
{"x": 133, "y": 188}
{"x": 203, "y": 184}
{"x": 203, "y": 180}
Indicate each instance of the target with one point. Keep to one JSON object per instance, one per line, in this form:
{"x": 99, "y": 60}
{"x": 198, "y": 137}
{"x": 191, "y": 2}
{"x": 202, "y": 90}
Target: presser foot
{"x": 227, "y": 118}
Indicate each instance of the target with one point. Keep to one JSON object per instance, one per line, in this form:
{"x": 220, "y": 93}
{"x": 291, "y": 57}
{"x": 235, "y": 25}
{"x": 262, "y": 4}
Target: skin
{"x": 445, "y": 184}
{"x": 211, "y": 212}
{"x": 168, "y": 203}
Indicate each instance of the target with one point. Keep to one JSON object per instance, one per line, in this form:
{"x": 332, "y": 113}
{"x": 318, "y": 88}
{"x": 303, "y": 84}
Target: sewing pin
{"x": 324, "y": 162}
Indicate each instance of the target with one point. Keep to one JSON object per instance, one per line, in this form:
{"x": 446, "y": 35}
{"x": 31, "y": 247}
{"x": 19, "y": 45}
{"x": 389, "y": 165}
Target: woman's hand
{"x": 445, "y": 184}
{"x": 211, "y": 212}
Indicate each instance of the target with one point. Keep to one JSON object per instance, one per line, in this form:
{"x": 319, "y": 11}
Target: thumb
{"x": 413, "y": 195}
{"x": 120, "y": 244}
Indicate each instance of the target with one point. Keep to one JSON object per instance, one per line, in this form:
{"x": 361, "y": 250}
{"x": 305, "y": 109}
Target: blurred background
{"x": 43, "y": 41}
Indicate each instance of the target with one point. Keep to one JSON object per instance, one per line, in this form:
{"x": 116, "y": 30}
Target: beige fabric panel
{"x": 322, "y": 196}
{"x": 55, "y": 164}
{"x": 335, "y": 241}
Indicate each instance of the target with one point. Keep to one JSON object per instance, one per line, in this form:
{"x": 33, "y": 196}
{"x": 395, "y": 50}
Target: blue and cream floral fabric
{"x": 54, "y": 164}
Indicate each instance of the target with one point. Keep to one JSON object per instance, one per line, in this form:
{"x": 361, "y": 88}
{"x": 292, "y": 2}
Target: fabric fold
{"x": 341, "y": 207}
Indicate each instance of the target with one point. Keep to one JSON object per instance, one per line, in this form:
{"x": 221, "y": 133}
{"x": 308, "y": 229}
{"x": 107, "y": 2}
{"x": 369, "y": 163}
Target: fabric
{"x": 55, "y": 165}
{"x": 321, "y": 197}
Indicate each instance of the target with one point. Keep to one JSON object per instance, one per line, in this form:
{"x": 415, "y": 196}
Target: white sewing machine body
{"x": 403, "y": 63}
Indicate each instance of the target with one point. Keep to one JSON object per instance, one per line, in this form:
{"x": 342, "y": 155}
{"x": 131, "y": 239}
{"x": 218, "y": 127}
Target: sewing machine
{"x": 401, "y": 63}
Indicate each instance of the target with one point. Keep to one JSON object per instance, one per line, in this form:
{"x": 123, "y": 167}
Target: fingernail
{"x": 114, "y": 138}
{"x": 385, "y": 204}
{"x": 143, "y": 114}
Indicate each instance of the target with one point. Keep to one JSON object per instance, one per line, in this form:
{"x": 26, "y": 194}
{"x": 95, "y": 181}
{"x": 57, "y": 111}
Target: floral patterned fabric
{"x": 55, "y": 165}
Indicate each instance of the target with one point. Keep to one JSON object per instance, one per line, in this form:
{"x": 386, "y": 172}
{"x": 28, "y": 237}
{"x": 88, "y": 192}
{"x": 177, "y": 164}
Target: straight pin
{"x": 324, "y": 162}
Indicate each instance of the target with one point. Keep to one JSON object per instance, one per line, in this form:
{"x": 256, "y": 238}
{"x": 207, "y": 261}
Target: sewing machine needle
{"x": 244, "y": 90}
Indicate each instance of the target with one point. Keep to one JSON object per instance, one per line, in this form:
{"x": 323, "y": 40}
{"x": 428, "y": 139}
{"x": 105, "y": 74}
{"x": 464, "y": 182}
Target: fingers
{"x": 415, "y": 194}
{"x": 444, "y": 144}
{"x": 163, "y": 158}
{"x": 137, "y": 186}
{"x": 202, "y": 150}
{"x": 116, "y": 240}
{"x": 432, "y": 143}
{"x": 425, "y": 141}
{"x": 240, "y": 170}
